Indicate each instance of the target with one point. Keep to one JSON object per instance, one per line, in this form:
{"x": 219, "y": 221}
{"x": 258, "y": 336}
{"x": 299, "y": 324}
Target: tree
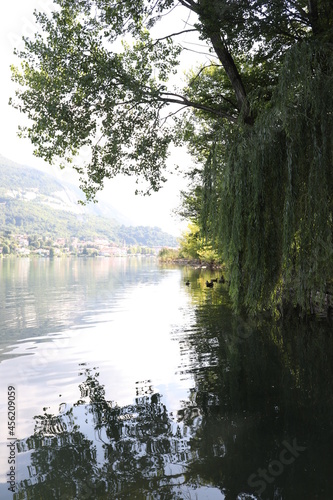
{"x": 264, "y": 89}
{"x": 80, "y": 91}
{"x": 265, "y": 191}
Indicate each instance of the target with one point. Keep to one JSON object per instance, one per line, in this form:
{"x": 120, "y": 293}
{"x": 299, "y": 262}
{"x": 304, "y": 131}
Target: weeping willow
{"x": 273, "y": 212}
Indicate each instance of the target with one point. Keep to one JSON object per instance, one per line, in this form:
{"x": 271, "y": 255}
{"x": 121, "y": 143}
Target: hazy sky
{"x": 17, "y": 20}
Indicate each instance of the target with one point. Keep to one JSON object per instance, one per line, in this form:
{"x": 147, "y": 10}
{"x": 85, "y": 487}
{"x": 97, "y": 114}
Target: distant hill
{"x": 34, "y": 202}
{"x": 23, "y": 182}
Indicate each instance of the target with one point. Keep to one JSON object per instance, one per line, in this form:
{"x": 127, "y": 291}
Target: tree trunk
{"x": 313, "y": 16}
{"x": 233, "y": 75}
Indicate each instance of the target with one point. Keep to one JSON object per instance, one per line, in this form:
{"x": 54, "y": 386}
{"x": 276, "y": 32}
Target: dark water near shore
{"x": 131, "y": 385}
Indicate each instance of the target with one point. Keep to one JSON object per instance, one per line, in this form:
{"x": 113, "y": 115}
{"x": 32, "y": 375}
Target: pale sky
{"x": 17, "y": 20}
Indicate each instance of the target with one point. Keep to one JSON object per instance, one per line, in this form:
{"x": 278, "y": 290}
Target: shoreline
{"x": 195, "y": 263}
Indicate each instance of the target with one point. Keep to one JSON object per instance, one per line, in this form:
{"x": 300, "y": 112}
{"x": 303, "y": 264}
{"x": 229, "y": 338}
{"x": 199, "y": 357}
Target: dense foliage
{"x": 257, "y": 116}
{"x": 265, "y": 192}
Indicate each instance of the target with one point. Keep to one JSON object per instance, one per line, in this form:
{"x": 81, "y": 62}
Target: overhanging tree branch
{"x": 178, "y": 99}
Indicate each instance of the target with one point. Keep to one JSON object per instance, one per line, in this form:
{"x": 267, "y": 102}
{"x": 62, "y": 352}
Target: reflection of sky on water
{"x": 42, "y": 296}
{"x": 128, "y": 338}
{"x": 201, "y": 406}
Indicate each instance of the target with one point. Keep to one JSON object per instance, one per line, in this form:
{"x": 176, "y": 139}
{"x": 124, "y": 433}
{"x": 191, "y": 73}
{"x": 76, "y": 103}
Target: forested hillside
{"x": 18, "y": 177}
{"x": 31, "y": 203}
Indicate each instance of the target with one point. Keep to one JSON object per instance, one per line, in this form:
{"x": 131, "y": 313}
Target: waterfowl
{"x": 222, "y": 280}
{"x": 187, "y": 283}
{"x": 209, "y": 284}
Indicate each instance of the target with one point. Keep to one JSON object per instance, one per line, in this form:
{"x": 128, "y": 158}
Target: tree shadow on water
{"x": 97, "y": 449}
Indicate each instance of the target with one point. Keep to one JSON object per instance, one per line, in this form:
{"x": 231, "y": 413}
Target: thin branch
{"x": 197, "y": 44}
{"x": 214, "y": 66}
{"x": 199, "y": 52}
{"x": 174, "y": 34}
{"x": 186, "y": 23}
{"x": 169, "y": 11}
{"x": 163, "y": 120}
{"x": 187, "y": 20}
{"x": 178, "y": 99}
{"x": 203, "y": 69}
{"x": 151, "y": 11}
{"x": 229, "y": 101}
{"x": 174, "y": 98}
{"x": 173, "y": 94}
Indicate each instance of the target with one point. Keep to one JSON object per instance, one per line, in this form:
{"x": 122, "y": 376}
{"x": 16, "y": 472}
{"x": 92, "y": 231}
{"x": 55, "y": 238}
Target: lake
{"x": 119, "y": 381}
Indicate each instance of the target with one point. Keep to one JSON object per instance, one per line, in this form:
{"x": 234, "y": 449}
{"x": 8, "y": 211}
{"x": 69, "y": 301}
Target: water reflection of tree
{"x": 259, "y": 383}
{"x": 140, "y": 446}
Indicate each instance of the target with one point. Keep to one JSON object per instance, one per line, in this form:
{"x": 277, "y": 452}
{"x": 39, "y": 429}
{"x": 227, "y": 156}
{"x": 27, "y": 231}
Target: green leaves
{"x": 82, "y": 93}
{"x": 257, "y": 116}
{"x": 264, "y": 194}
{"x": 279, "y": 190}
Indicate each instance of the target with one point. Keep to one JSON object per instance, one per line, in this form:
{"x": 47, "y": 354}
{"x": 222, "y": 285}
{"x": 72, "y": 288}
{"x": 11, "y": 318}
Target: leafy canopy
{"x": 257, "y": 115}
{"x": 86, "y": 90}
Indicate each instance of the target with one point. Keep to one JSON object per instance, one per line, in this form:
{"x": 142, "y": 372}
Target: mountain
{"x": 34, "y": 202}
{"x": 23, "y": 182}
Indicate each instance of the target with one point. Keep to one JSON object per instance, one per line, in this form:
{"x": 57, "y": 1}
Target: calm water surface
{"x": 131, "y": 385}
